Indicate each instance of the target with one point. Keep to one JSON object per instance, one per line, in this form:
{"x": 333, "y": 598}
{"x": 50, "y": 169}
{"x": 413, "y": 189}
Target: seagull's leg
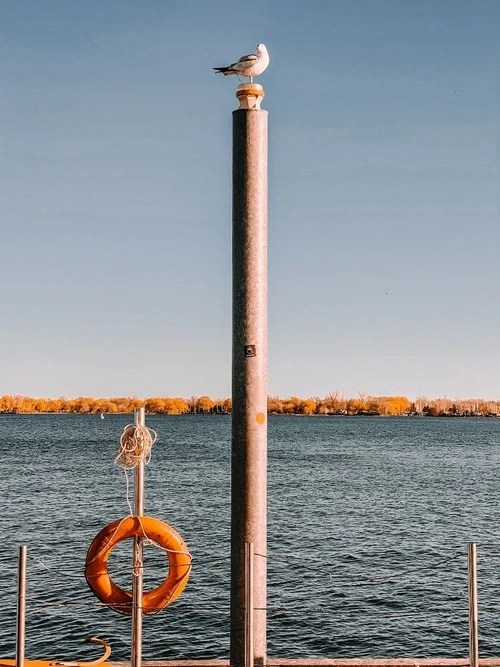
{"x": 251, "y": 79}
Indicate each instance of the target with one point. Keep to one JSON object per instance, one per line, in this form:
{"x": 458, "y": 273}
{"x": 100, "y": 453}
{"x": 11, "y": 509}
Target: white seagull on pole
{"x": 250, "y": 66}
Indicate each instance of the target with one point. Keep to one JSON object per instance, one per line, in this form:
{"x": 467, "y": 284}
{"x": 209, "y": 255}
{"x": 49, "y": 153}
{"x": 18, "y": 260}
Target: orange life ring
{"x": 96, "y": 563}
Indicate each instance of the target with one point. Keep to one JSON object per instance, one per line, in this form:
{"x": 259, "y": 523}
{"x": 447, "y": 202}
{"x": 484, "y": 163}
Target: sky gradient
{"x": 115, "y": 209}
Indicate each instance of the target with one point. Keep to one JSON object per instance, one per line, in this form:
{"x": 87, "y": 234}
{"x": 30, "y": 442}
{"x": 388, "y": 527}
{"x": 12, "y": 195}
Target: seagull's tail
{"x": 224, "y": 70}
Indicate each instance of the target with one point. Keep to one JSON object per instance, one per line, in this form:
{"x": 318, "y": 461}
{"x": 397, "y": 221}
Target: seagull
{"x": 250, "y": 66}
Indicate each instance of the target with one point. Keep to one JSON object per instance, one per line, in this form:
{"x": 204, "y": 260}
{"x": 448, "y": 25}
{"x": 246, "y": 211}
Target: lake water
{"x": 369, "y": 520}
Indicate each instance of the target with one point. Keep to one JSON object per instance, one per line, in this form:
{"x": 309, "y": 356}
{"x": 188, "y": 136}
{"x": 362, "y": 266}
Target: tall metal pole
{"x": 21, "y": 606}
{"x": 249, "y": 371}
{"x": 137, "y": 565}
{"x": 473, "y": 624}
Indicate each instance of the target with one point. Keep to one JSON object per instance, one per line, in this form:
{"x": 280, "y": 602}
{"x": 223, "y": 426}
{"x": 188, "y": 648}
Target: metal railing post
{"x": 21, "y": 606}
{"x": 137, "y": 565}
{"x": 473, "y": 625}
{"x": 249, "y": 555}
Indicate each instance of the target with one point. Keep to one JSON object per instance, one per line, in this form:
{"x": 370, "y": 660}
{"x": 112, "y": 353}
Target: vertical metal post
{"x": 473, "y": 624}
{"x": 137, "y": 565}
{"x": 21, "y": 606}
{"x": 249, "y": 605}
{"x": 249, "y": 372}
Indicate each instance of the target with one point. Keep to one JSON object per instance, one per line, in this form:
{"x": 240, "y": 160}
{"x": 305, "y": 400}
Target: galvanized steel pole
{"x": 21, "y": 606}
{"x": 473, "y": 624}
{"x": 137, "y": 564}
{"x": 249, "y": 371}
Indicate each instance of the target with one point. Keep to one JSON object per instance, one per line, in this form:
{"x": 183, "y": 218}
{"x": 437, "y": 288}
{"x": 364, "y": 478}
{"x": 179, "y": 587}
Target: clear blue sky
{"x": 115, "y": 205}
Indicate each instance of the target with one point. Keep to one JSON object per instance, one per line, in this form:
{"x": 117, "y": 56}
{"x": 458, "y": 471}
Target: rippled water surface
{"x": 369, "y": 520}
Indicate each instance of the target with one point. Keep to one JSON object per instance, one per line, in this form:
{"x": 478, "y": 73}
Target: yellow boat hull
{"x": 8, "y": 662}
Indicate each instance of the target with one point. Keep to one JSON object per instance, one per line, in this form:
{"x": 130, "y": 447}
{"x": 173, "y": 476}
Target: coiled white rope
{"x": 136, "y": 443}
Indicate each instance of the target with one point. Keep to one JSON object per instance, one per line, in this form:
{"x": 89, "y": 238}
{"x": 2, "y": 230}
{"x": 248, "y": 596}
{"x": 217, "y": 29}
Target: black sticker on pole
{"x": 250, "y": 350}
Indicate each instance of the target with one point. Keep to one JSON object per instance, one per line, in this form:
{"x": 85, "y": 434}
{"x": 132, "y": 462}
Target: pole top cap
{"x": 250, "y": 95}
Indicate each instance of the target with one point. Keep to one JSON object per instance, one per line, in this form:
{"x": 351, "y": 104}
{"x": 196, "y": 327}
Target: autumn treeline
{"x": 332, "y": 404}
{"x": 120, "y": 405}
{"x": 364, "y": 404}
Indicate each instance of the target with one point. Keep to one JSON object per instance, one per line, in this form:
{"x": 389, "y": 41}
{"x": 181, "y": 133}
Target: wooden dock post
{"x": 473, "y": 624}
{"x": 21, "y": 606}
{"x": 249, "y": 372}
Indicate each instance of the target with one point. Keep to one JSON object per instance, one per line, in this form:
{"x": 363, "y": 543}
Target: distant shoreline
{"x": 269, "y": 414}
{"x": 333, "y": 404}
